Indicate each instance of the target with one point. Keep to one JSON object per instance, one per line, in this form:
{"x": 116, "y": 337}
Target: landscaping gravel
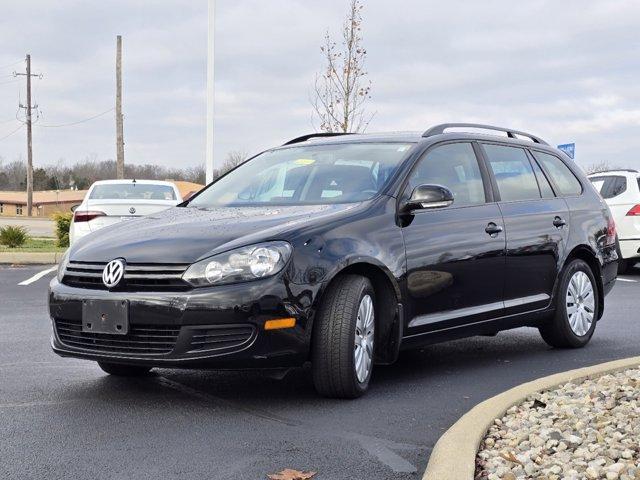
{"x": 586, "y": 430}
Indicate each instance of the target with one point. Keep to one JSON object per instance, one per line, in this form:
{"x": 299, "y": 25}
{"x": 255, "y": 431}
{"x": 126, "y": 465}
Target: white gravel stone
{"x": 589, "y": 430}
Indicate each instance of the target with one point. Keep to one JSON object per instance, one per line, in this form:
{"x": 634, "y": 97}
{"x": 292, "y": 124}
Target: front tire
{"x": 121, "y": 370}
{"x": 343, "y": 338}
{"x": 577, "y": 308}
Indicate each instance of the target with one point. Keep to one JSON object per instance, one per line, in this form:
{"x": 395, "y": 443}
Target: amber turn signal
{"x": 280, "y": 323}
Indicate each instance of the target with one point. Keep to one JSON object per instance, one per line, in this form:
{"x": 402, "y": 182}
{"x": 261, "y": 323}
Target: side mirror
{"x": 429, "y": 196}
{"x": 73, "y": 208}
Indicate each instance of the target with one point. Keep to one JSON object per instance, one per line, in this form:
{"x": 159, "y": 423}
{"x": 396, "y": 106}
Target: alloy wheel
{"x": 580, "y": 303}
{"x": 364, "y": 338}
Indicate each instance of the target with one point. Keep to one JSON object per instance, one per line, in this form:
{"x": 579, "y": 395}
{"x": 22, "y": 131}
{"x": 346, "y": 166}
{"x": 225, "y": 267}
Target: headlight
{"x": 239, "y": 265}
{"x": 64, "y": 261}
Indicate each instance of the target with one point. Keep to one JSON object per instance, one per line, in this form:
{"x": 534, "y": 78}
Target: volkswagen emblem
{"x": 132, "y": 210}
{"x": 113, "y": 272}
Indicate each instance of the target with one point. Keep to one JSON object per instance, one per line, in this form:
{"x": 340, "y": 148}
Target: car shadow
{"x": 633, "y": 271}
{"x": 434, "y": 363}
{"x": 432, "y": 366}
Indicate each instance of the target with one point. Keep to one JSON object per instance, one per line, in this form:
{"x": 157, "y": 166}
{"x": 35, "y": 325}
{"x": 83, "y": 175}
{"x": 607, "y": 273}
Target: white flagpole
{"x": 210, "y": 92}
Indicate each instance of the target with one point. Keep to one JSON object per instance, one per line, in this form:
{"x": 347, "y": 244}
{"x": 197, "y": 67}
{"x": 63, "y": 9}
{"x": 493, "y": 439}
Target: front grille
{"x": 140, "y": 340}
{"x": 137, "y": 277}
{"x": 221, "y": 337}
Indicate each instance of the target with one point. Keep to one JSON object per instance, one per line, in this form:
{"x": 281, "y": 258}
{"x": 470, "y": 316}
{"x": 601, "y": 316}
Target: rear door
{"x": 536, "y": 226}
{"x": 455, "y": 261}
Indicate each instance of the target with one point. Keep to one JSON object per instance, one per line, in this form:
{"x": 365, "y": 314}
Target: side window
{"x": 560, "y": 173}
{"x": 609, "y": 186}
{"x": 513, "y": 173}
{"x": 454, "y": 166}
{"x": 543, "y": 183}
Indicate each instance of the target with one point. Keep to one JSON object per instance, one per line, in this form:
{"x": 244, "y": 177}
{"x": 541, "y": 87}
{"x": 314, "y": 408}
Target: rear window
{"x": 610, "y": 186}
{"x": 561, "y": 175}
{"x": 132, "y": 191}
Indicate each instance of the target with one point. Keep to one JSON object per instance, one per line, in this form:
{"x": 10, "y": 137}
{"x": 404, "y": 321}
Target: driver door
{"x": 455, "y": 267}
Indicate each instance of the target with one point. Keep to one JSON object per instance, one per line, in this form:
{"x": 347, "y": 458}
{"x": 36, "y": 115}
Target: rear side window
{"x": 454, "y": 166}
{"x": 610, "y": 186}
{"x": 564, "y": 178}
{"x": 513, "y": 173}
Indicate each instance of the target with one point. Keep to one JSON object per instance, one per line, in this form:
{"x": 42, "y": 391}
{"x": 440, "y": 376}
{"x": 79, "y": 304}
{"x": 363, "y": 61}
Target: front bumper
{"x": 215, "y": 327}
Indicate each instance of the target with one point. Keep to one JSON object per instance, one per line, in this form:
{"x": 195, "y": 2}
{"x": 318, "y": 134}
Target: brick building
{"x": 45, "y": 202}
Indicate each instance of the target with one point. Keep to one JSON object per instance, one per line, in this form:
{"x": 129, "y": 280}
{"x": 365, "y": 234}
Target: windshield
{"x": 315, "y": 174}
{"x": 132, "y": 191}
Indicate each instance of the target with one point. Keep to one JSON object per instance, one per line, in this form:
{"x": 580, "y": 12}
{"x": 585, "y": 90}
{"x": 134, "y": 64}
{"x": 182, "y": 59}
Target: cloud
{"x": 566, "y": 71}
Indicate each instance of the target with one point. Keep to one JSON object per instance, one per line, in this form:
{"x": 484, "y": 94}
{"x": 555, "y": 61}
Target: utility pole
{"x": 28, "y": 108}
{"x": 119, "y": 127}
{"x": 208, "y": 162}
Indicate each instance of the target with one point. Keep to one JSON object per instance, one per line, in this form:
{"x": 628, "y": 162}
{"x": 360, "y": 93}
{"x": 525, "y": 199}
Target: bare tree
{"x": 234, "y": 158}
{"x": 342, "y": 89}
{"x": 601, "y": 166}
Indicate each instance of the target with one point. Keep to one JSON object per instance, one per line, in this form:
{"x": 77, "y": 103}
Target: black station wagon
{"x": 342, "y": 250}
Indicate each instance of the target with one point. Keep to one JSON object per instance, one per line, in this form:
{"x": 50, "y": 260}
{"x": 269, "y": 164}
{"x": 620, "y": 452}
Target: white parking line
{"x": 38, "y": 276}
{"x": 627, "y": 280}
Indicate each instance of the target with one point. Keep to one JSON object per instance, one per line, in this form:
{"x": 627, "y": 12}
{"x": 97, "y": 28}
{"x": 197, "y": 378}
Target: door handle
{"x": 493, "y": 229}
{"x": 559, "y": 222}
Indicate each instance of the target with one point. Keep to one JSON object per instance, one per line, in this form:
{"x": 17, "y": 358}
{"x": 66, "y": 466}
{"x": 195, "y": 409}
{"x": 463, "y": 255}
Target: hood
{"x": 185, "y": 235}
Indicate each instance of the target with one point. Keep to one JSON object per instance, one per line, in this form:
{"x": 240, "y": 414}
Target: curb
{"x": 30, "y": 258}
{"x": 454, "y": 455}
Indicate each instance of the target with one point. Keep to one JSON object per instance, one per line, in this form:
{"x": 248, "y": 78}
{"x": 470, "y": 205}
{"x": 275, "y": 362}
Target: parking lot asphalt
{"x": 64, "y": 418}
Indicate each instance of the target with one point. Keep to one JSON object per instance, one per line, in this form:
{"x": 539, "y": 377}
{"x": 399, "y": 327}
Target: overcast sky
{"x": 567, "y": 71}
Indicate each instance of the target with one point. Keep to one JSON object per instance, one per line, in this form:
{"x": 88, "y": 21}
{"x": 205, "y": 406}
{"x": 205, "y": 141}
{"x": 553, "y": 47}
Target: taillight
{"x": 86, "y": 215}
{"x": 611, "y": 232}
{"x": 634, "y": 211}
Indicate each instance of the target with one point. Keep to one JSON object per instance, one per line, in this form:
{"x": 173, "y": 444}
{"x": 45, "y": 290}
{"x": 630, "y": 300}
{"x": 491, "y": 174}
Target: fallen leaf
{"x": 510, "y": 457}
{"x": 289, "y": 474}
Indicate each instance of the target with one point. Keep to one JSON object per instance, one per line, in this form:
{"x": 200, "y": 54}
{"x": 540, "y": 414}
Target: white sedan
{"x": 111, "y": 201}
{"x": 621, "y": 190}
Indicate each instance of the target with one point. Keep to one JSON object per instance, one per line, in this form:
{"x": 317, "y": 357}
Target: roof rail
{"x": 607, "y": 170}
{"x": 511, "y": 133}
{"x": 304, "y": 138}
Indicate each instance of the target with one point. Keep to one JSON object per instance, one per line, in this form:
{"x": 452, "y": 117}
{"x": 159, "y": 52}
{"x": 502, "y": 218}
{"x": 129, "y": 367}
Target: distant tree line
{"x": 13, "y": 175}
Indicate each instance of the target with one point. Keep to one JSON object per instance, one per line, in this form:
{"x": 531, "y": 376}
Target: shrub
{"x": 63, "y": 223}
{"x": 12, "y": 236}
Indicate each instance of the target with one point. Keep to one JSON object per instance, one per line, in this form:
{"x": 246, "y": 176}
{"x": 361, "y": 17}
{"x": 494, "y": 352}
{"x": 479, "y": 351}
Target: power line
{"x": 79, "y": 121}
{"x": 12, "y": 64}
{"x": 8, "y": 135}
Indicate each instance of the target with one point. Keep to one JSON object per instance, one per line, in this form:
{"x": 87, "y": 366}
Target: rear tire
{"x": 343, "y": 338}
{"x": 121, "y": 370}
{"x": 577, "y": 308}
{"x": 623, "y": 265}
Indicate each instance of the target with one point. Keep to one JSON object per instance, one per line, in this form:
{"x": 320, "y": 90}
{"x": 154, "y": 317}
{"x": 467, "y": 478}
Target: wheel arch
{"x": 389, "y": 316}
